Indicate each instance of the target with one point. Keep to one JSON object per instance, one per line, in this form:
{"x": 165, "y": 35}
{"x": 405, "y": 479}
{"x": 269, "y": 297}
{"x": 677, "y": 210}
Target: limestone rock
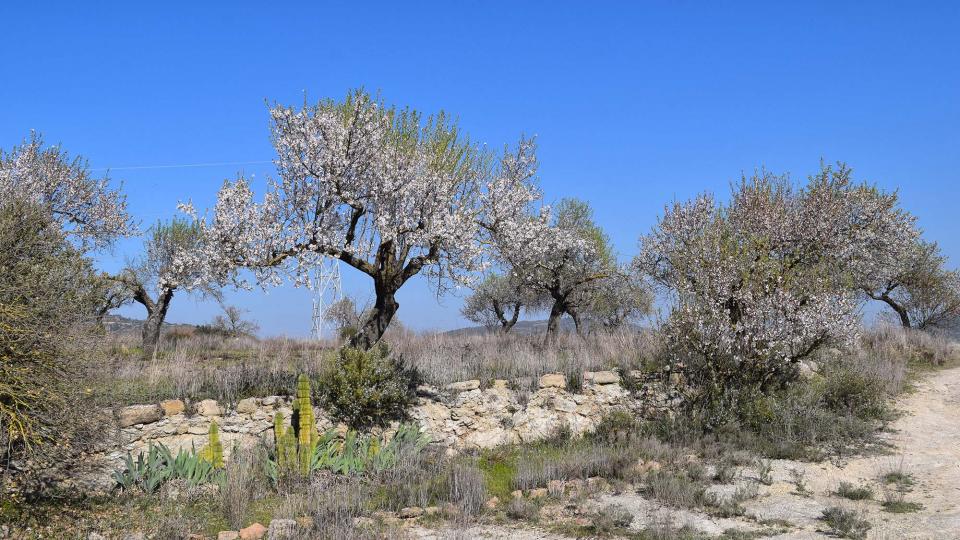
{"x": 139, "y": 414}
{"x": 209, "y": 407}
{"x": 247, "y": 406}
{"x": 172, "y": 407}
{"x": 538, "y": 493}
{"x": 492, "y": 502}
{"x": 228, "y": 535}
{"x": 464, "y": 386}
{"x": 255, "y": 531}
{"x": 601, "y": 377}
{"x": 553, "y": 380}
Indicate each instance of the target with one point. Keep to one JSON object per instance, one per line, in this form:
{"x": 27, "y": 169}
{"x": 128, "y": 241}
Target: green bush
{"x": 48, "y": 295}
{"x": 849, "y": 391}
{"x": 368, "y": 388}
{"x": 618, "y": 426}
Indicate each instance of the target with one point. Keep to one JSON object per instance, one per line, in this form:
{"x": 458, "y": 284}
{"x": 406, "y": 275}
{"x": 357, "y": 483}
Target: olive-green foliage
{"x": 305, "y": 422}
{"x": 367, "y": 388}
{"x": 296, "y": 445}
{"x": 149, "y": 471}
{"x": 48, "y": 294}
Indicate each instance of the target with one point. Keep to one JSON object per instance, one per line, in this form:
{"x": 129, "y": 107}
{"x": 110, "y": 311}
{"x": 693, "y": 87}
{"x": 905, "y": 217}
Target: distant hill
{"x": 525, "y": 328}
{"x": 118, "y": 324}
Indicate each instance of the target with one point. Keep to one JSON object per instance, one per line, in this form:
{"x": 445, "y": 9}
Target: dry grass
{"x": 201, "y": 365}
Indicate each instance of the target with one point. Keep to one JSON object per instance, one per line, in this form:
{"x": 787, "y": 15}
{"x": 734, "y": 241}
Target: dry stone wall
{"x": 462, "y": 416}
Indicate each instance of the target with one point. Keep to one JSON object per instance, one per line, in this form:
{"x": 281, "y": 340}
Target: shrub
{"x": 851, "y": 391}
{"x": 241, "y": 478}
{"x": 676, "y": 489}
{"x": 845, "y": 523}
{"x": 48, "y": 295}
{"x": 618, "y": 426}
{"x": 368, "y": 388}
{"x": 522, "y": 509}
{"x": 610, "y": 518}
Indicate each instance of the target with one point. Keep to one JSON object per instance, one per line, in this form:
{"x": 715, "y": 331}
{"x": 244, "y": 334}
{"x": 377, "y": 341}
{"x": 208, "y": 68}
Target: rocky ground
{"x": 924, "y": 449}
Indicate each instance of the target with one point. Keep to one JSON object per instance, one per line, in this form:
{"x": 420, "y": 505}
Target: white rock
{"x": 208, "y": 407}
{"x": 553, "y": 380}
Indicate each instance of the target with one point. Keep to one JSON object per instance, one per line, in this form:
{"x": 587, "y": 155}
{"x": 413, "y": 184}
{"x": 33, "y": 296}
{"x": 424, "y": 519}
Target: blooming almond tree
{"x": 562, "y": 256}
{"x": 622, "y": 299}
{"x": 86, "y": 208}
{"x": 767, "y": 279}
{"x": 153, "y": 281}
{"x": 918, "y": 287}
{"x": 387, "y": 191}
{"x": 498, "y": 300}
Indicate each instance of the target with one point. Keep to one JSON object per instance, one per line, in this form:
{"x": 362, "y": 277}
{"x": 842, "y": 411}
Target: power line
{"x": 185, "y": 166}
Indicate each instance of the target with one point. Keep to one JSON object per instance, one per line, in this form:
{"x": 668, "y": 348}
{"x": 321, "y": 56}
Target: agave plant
{"x": 146, "y": 472}
{"x": 150, "y": 470}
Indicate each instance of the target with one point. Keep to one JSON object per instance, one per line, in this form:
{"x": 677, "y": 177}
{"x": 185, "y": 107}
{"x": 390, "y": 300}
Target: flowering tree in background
{"x": 153, "y": 281}
{"x": 919, "y": 288}
{"x": 766, "y": 280}
{"x": 86, "y": 208}
{"x": 564, "y": 258}
{"x": 622, "y": 299}
{"x": 387, "y": 191}
{"x": 498, "y": 300}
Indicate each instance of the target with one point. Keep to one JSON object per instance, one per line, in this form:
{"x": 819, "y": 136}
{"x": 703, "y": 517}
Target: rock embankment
{"x": 463, "y": 416}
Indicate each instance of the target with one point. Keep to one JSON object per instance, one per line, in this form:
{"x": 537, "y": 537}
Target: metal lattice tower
{"x": 327, "y": 289}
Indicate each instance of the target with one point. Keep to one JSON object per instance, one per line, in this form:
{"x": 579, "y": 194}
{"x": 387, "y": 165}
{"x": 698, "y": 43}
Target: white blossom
{"x": 83, "y": 206}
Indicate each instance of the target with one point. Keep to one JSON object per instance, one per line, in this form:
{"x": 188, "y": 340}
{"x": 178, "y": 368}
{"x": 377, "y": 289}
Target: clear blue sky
{"x": 635, "y": 103}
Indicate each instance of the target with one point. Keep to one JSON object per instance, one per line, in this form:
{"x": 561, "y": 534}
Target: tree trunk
{"x": 156, "y": 314}
{"x": 900, "y": 310}
{"x": 384, "y": 308}
{"x": 576, "y": 321}
{"x": 553, "y": 323}
{"x": 505, "y": 323}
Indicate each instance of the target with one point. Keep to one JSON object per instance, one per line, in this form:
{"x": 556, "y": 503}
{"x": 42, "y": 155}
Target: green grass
{"x": 499, "y": 472}
{"x": 854, "y": 493}
{"x": 901, "y": 507}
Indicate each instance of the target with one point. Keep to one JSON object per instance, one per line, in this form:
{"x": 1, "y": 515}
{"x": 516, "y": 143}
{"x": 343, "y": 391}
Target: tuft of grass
{"x": 899, "y": 506}
{"x": 610, "y": 519}
{"x": 676, "y": 489}
{"x": 854, "y": 493}
{"x": 845, "y": 523}
{"x": 798, "y": 478}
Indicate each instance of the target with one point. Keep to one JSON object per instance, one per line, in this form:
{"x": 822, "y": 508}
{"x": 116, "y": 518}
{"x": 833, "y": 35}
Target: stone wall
{"x": 462, "y": 416}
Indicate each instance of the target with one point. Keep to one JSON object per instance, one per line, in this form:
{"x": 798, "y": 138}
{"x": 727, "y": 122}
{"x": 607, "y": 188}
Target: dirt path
{"x": 926, "y": 441}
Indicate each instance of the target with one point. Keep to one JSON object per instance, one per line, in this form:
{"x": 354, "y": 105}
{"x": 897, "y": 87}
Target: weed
{"x": 845, "y": 523}
{"x": 798, "y": 478}
{"x": 854, "y": 493}
{"x": 765, "y": 471}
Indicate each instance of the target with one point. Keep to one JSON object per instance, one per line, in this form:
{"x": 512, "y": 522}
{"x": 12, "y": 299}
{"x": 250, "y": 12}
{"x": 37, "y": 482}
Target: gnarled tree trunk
{"x": 384, "y": 308}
